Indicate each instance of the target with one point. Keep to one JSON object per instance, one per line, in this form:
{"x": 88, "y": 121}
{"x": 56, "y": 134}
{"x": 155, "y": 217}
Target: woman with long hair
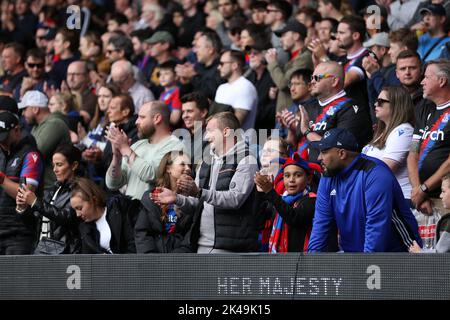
{"x": 58, "y": 220}
{"x": 394, "y": 110}
{"x": 161, "y": 229}
{"x": 105, "y": 227}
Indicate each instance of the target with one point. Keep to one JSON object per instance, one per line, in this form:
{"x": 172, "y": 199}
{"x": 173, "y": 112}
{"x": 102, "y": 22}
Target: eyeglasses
{"x": 318, "y": 77}
{"x": 35, "y": 65}
{"x": 292, "y": 84}
{"x": 380, "y": 101}
{"x": 221, "y": 63}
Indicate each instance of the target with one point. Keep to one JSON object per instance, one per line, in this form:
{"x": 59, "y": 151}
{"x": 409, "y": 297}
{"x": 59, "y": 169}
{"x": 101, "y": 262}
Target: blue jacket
{"x": 367, "y": 205}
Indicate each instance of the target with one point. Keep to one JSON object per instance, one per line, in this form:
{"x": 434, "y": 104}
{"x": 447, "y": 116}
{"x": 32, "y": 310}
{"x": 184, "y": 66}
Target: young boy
{"x": 171, "y": 93}
{"x": 443, "y": 226}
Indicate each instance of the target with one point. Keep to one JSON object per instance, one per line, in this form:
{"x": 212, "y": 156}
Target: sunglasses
{"x": 380, "y": 101}
{"x": 35, "y": 65}
{"x": 318, "y": 77}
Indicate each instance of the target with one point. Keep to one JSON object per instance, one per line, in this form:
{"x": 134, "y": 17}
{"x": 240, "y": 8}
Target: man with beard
{"x": 135, "y": 166}
{"x": 336, "y": 109}
{"x": 361, "y": 196}
{"x": 350, "y": 35}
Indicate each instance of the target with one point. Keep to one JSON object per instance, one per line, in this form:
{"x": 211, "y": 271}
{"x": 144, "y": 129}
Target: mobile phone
{"x": 23, "y": 182}
{"x": 373, "y": 55}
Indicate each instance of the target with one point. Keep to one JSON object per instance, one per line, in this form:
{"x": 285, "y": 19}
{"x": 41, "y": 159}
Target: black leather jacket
{"x": 63, "y": 219}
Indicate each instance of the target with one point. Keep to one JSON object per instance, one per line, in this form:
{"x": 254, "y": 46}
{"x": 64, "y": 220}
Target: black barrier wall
{"x": 191, "y": 276}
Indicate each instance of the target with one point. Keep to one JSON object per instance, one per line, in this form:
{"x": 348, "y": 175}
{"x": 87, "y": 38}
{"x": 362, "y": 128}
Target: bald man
{"x": 122, "y": 75}
{"x": 335, "y": 109}
{"x": 78, "y": 82}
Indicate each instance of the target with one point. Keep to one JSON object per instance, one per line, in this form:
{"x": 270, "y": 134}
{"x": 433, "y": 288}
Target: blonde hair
{"x": 69, "y": 101}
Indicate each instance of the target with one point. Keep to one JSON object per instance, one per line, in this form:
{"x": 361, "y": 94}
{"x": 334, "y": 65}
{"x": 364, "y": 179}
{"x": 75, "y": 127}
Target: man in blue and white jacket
{"x": 360, "y": 195}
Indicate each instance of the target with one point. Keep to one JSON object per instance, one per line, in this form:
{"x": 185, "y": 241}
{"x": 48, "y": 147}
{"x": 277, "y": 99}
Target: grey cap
{"x": 161, "y": 36}
{"x": 379, "y": 39}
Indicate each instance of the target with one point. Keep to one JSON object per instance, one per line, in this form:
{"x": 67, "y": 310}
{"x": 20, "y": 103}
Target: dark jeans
{"x": 16, "y": 245}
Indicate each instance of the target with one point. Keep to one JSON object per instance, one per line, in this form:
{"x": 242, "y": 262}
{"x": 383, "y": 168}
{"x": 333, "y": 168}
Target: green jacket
{"x": 49, "y": 134}
{"x": 281, "y": 75}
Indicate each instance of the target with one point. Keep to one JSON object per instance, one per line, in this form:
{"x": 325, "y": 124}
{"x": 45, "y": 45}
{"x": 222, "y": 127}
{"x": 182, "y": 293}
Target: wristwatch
{"x": 424, "y": 188}
{"x": 305, "y": 134}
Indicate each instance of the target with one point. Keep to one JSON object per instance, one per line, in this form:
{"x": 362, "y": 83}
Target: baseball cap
{"x": 379, "y": 39}
{"x": 51, "y": 34}
{"x": 294, "y": 26}
{"x": 8, "y": 121}
{"x": 8, "y": 104}
{"x": 434, "y": 9}
{"x": 33, "y": 98}
{"x": 337, "y": 138}
{"x": 160, "y": 36}
{"x": 258, "y": 46}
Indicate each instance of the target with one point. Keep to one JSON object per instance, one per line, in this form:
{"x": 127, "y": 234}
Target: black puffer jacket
{"x": 122, "y": 237}
{"x": 150, "y": 235}
{"x": 63, "y": 219}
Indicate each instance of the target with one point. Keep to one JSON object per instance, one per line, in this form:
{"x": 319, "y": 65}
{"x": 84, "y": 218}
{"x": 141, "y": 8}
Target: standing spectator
{"x": 19, "y": 157}
{"x": 122, "y": 76}
{"x": 204, "y": 76}
{"x": 277, "y": 15}
{"x": 91, "y": 50}
{"x": 106, "y": 227}
{"x": 294, "y": 209}
{"x": 223, "y": 193}
{"x": 136, "y": 166}
{"x": 336, "y": 110}
{"x": 171, "y": 93}
{"x": 432, "y": 43}
{"x": 193, "y": 20}
{"x": 261, "y": 79}
{"x": 161, "y": 229}
{"x": 330, "y": 9}
{"x": 361, "y": 195}
{"x": 429, "y": 157}
{"x": 350, "y": 35}
{"x": 238, "y": 92}
{"x": 21, "y": 23}
{"x": 401, "y": 13}
{"x": 58, "y": 220}
{"x": 292, "y": 40}
{"x": 258, "y": 12}
{"x": 49, "y": 129}
{"x": 228, "y": 9}
{"x": 195, "y": 108}
{"x": 392, "y": 139}
{"x": 78, "y": 83}
{"x": 36, "y": 75}
{"x": 65, "y": 46}
{"x": 13, "y": 55}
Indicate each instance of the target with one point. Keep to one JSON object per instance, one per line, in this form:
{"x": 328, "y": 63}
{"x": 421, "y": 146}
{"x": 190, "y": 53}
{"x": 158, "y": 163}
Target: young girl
{"x": 443, "y": 226}
{"x": 294, "y": 210}
{"x": 160, "y": 229}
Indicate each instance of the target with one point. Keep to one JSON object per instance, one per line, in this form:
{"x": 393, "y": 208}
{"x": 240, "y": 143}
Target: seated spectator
{"x": 294, "y": 210}
{"x": 160, "y": 229}
{"x": 58, "y": 221}
{"x": 361, "y": 196}
{"x": 393, "y": 135}
{"x": 171, "y": 93}
{"x": 105, "y": 227}
{"x": 443, "y": 226}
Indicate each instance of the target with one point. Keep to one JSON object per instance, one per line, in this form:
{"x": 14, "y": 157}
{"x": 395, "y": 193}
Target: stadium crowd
{"x": 224, "y": 126}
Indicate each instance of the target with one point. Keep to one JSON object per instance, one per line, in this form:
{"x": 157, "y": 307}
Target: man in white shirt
{"x": 237, "y": 92}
